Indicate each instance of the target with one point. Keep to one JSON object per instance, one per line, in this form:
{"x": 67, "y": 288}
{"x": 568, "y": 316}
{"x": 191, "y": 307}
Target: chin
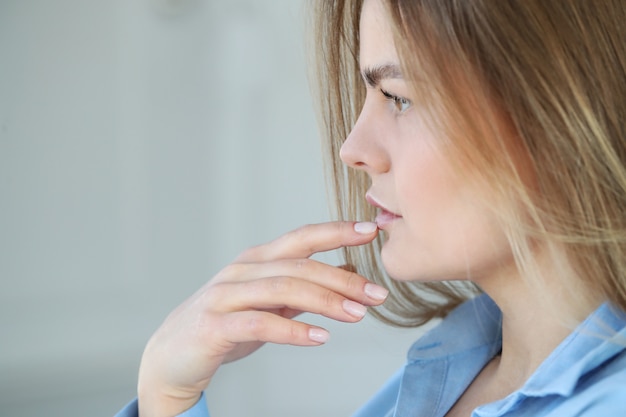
{"x": 403, "y": 265}
{"x": 397, "y": 267}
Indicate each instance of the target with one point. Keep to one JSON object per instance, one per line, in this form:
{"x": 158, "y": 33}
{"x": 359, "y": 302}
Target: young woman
{"x": 490, "y": 148}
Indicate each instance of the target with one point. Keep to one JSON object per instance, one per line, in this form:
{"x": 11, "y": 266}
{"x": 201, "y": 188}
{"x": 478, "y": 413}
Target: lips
{"x": 385, "y": 216}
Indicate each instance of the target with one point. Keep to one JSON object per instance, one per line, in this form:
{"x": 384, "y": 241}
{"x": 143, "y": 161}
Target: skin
{"x": 445, "y": 228}
{"x": 442, "y": 229}
{"x": 250, "y": 302}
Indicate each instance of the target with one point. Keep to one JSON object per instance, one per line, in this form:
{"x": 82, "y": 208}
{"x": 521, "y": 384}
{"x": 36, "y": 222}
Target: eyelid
{"x": 397, "y": 100}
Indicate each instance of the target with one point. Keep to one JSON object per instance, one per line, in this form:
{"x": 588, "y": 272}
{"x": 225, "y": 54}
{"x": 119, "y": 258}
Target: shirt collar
{"x": 600, "y": 337}
{"x": 443, "y": 362}
{"x": 477, "y": 323}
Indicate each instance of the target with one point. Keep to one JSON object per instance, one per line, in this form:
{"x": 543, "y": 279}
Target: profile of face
{"x": 437, "y": 223}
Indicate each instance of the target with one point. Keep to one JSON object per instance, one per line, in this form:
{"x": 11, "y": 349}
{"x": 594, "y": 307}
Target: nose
{"x": 365, "y": 146}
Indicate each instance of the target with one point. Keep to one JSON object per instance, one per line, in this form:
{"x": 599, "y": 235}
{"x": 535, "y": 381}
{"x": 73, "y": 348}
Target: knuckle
{"x": 248, "y": 254}
{"x": 231, "y": 271}
{"x": 213, "y": 328}
{"x": 207, "y": 320}
{"x": 302, "y": 263}
{"x": 302, "y": 230}
{"x": 284, "y": 243}
{"x": 354, "y": 282}
{"x": 255, "y": 325}
{"x": 227, "y": 326}
{"x": 339, "y": 227}
{"x": 213, "y": 295}
{"x": 328, "y": 299}
{"x": 297, "y": 235}
{"x": 295, "y": 332}
{"x": 280, "y": 285}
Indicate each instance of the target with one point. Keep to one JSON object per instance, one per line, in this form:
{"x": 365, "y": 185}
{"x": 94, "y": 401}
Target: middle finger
{"x": 277, "y": 293}
{"x": 344, "y": 282}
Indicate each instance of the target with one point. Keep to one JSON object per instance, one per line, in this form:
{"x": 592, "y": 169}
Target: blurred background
{"x": 143, "y": 145}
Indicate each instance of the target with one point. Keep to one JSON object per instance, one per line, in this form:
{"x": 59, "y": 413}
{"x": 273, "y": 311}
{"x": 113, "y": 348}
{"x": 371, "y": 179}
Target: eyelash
{"x": 401, "y": 104}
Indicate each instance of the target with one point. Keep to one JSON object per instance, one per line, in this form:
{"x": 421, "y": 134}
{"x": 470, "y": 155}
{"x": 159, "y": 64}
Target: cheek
{"x": 446, "y": 231}
{"x": 417, "y": 247}
{"x": 427, "y": 193}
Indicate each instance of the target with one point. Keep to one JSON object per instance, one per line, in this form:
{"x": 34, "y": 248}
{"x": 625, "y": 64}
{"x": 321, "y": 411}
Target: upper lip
{"x": 374, "y": 202}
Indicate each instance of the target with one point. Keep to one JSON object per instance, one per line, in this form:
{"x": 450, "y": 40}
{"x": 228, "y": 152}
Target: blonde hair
{"x": 555, "y": 73}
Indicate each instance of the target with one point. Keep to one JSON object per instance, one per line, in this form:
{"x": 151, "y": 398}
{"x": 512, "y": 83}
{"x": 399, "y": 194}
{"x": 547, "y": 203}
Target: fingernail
{"x": 365, "y": 228}
{"x": 354, "y": 309}
{"x": 319, "y": 335}
{"x": 376, "y": 292}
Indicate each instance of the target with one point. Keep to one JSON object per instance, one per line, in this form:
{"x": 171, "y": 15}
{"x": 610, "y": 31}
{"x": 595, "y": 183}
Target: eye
{"x": 400, "y": 103}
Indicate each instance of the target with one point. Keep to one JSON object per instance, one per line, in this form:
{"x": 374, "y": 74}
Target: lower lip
{"x": 385, "y": 218}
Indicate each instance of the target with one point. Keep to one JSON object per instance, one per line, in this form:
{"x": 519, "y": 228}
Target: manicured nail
{"x": 376, "y": 292}
{"x": 319, "y": 335}
{"x": 354, "y": 309}
{"x": 365, "y": 228}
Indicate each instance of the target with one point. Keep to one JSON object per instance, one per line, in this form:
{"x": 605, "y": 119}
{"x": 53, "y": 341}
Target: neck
{"x": 532, "y": 325}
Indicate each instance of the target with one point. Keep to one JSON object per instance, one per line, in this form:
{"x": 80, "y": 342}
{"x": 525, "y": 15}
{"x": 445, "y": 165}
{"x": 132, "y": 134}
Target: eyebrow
{"x": 373, "y": 75}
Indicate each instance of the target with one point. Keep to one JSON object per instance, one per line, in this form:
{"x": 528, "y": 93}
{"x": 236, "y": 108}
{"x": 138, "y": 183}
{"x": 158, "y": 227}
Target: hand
{"x": 248, "y": 303}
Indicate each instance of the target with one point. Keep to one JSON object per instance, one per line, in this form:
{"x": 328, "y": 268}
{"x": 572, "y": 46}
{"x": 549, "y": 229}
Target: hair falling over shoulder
{"x": 556, "y": 72}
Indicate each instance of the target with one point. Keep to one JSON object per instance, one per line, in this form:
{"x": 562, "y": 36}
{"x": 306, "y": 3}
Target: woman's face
{"x": 438, "y": 224}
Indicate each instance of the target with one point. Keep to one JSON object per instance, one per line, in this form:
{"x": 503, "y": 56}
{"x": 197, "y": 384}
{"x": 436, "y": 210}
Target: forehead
{"x": 376, "y": 46}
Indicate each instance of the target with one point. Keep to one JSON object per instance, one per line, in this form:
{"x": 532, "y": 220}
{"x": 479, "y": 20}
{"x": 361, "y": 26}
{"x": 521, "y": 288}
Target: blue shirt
{"x": 584, "y": 376}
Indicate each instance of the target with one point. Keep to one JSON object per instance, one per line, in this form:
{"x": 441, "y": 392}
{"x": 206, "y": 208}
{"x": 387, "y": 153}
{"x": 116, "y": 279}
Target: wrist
{"x": 153, "y": 402}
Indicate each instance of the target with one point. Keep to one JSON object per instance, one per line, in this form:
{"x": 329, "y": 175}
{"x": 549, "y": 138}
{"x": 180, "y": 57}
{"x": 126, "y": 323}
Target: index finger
{"x": 307, "y": 240}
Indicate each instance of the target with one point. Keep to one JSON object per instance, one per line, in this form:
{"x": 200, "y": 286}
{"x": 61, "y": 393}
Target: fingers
{"x": 339, "y": 280}
{"x": 252, "y": 326}
{"x": 286, "y": 292}
{"x": 279, "y": 277}
{"x": 310, "y": 239}
{"x": 254, "y": 301}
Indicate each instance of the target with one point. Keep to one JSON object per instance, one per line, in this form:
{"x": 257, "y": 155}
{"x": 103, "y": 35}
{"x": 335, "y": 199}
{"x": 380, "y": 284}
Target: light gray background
{"x": 143, "y": 144}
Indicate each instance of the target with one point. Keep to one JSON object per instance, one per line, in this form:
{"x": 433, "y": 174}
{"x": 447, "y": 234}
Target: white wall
{"x": 143, "y": 144}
